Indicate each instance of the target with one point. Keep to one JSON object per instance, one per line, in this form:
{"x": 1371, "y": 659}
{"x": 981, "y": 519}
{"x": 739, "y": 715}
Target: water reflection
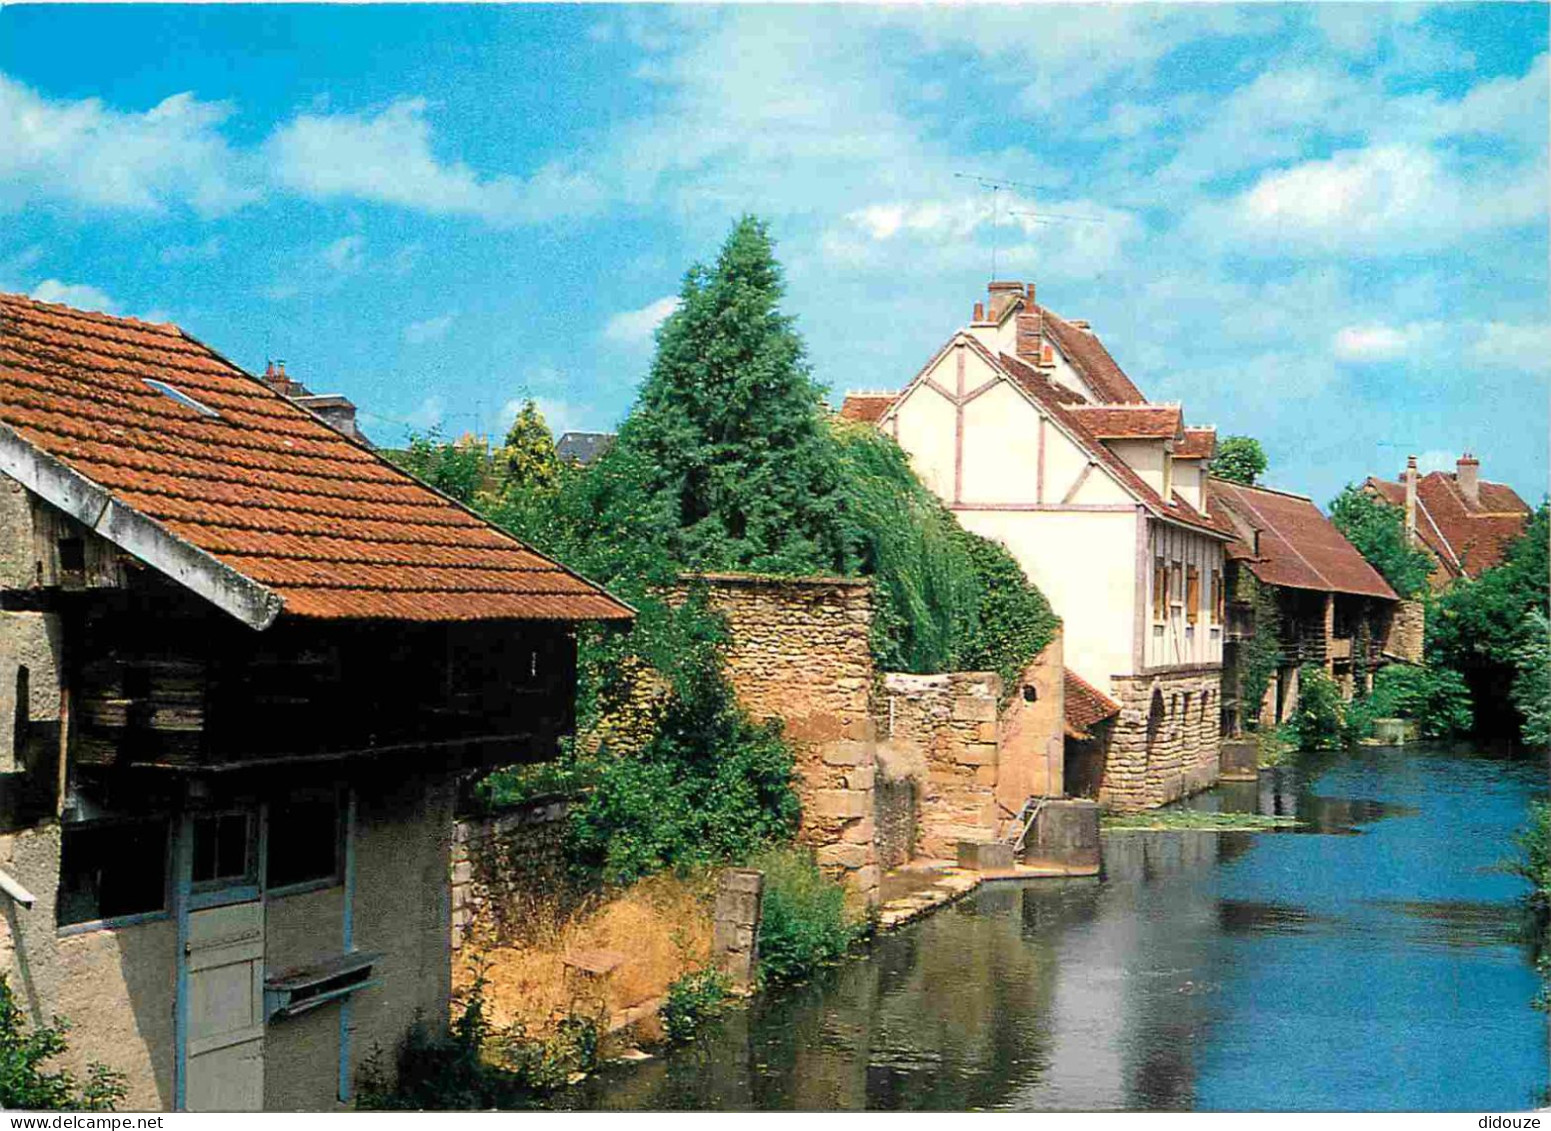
{"x": 1216, "y": 971}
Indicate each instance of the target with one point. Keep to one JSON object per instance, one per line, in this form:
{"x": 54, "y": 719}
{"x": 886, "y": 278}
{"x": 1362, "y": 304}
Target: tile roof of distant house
{"x": 583, "y": 447}
{"x": 1086, "y": 706}
{"x": 1465, "y": 537}
{"x": 1299, "y": 547}
{"x": 865, "y": 408}
{"x": 1132, "y": 422}
{"x": 162, "y": 445}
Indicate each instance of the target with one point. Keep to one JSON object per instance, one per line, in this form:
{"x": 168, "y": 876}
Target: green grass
{"x": 1164, "y": 820}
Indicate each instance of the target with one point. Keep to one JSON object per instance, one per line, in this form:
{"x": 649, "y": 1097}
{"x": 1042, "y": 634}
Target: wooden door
{"x": 225, "y": 956}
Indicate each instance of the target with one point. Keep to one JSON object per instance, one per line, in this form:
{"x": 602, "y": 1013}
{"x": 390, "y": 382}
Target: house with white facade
{"x": 1033, "y": 436}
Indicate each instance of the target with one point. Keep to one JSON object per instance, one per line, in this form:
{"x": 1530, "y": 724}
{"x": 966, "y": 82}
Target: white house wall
{"x": 1001, "y": 446}
{"x": 1084, "y": 563}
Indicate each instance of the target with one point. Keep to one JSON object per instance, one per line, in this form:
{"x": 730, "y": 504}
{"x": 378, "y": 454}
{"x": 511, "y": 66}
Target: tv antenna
{"x": 996, "y": 185}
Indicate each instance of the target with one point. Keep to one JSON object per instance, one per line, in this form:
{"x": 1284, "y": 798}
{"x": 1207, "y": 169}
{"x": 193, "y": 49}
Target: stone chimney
{"x": 1467, "y": 473}
{"x": 1409, "y": 478}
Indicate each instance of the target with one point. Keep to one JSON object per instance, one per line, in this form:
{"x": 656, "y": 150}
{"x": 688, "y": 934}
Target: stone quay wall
{"x": 941, "y": 730}
{"x": 798, "y": 651}
{"x": 500, "y": 865}
{"x": 1166, "y": 741}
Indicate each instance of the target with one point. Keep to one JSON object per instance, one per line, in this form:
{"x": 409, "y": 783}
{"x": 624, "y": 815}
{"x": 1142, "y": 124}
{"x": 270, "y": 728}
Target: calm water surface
{"x": 1369, "y": 965}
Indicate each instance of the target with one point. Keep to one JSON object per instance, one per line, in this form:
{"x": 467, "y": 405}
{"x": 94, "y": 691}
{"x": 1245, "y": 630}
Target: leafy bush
{"x": 1261, "y": 654}
{"x": 693, "y": 999}
{"x": 25, "y": 1085}
{"x": 458, "y": 470}
{"x": 476, "y": 1067}
{"x": 709, "y": 785}
{"x": 1378, "y": 531}
{"x": 1532, "y": 679}
{"x": 804, "y": 923}
{"x": 1436, "y": 698}
{"x": 1534, "y": 864}
{"x": 1318, "y": 723}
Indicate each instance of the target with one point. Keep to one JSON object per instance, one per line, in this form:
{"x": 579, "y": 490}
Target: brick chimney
{"x": 1409, "y": 477}
{"x": 1030, "y": 330}
{"x": 1467, "y": 473}
{"x": 980, "y": 312}
{"x": 1002, "y": 296}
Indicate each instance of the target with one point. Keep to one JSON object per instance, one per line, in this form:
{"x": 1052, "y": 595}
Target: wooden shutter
{"x": 1192, "y": 594}
{"x": 1160, "y": 590}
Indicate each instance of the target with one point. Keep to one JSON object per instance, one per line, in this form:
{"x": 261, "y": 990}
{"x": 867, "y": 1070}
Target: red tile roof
{"x": 1299, "y": 546}
{"x": 1132, "y": 422}
{"x": 1057, "y": 403}
{"x": 1465, "y": 537}
{"x": 259, "y": 484}
{"x": 865, "y": 407}
{"x": 1086, "y": 706}
{"x": 1089, "y": 357}
{"x": 1199, "y": 443}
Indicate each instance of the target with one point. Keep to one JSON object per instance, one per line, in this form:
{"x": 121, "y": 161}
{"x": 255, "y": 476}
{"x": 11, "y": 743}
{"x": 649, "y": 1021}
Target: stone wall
{"x": 798, "y": 651}
{"x": 500, "y": 865}
{"x": 1166, "y": 740}
{"x": 1404, "y": 638}
{"x": 944, "y": 728}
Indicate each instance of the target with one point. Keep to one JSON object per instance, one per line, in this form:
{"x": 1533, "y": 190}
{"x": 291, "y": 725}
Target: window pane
{"x": 109, "y": 870}
{"x": 303, "y": 842}
{"x": 221, "y": 842}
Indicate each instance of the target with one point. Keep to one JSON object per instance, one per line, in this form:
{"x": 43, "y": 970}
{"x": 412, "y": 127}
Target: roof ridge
{"x": 1263, "y": 487}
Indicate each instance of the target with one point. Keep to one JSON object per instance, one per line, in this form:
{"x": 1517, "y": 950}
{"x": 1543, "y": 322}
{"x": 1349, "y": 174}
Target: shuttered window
{"x": 1160, "y": 590}
{"x": 1192, "y": 594}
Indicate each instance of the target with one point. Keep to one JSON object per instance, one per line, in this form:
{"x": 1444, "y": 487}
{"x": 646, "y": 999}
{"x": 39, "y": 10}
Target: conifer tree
{"x": 729, "y": 428}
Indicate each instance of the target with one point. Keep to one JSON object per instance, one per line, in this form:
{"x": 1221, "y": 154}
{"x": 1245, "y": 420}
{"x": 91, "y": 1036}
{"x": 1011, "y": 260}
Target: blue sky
{"x": 1323, "y": 225}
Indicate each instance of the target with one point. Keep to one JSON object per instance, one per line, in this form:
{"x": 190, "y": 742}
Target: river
{"x": 1370, "y": 963}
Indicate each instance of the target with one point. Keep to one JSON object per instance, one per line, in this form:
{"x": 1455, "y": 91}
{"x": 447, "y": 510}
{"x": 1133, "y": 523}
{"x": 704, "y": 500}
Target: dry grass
{"x": 661, "y": 925}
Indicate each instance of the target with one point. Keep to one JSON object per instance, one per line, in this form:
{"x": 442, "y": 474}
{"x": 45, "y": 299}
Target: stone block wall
{"x": 1404, "y": 638}
{"x": 944, "y": 727}
{"x": 1165, "y": 742}
{"x": 798, "y": 651}
{"x": 500, "y": 864}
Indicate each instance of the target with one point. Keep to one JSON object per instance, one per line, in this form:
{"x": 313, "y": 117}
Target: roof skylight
{"x": 181, "y": 397}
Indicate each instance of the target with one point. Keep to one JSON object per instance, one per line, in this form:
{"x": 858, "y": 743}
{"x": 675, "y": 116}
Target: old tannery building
{"x": 1029, "y": 431}
{"x": 242, "y": 659}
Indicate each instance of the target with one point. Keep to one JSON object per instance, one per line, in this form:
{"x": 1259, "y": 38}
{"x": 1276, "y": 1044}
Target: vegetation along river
{"x": 1369, "y": 962}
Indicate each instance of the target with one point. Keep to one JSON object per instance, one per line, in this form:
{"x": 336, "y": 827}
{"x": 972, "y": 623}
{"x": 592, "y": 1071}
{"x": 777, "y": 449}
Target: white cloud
{"x": 1437, "y": 460}
{"x": 635, "y": 327}
{"x": 1398, "y": 198}
{"x": 1381, "y": 342}
{"x": 428, "y": 329}
{"x": 387, "y": 157}
{"x": 1521, "y": 346}
{"x": 560, "y": 415}
{"x": 428, "y": 414}
{"x": 82, "y": 296}
{"x": 85, "y": 153}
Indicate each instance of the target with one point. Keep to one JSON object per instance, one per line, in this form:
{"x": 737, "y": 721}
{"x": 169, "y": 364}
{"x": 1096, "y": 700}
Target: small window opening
{"x": 21, "y": 719}
{"x": 223, "y": 848}
{"x": 72, "y": 556}
{"x": 303, "y": 842}
{"x": 111, "y": 869}
{"x": 1030, "y": 693}
{"x": 181, "y": 397}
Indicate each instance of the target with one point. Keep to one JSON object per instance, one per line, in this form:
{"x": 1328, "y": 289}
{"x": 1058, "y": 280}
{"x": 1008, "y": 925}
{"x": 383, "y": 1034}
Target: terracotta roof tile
{"x": 262, "y": 485}
{"x": 1132, "y": 422}
{"x": 865, "y": 408}
{"x": 1086, "y": 706}
{"x": 1299, "y": 547}
{"x": 1199, "y": 443}
{"x": 1465, "y": 537}
{"x": 1089, "y": 357}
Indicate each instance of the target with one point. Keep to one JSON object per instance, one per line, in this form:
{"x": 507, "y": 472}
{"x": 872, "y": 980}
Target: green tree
{"x": 1378, "y": 531}
{"x": 1318, "y": 722}
{"x": 454, "y": 469}
{"x": 1435, "y": 697}
{"x": 1240, "y": 459}
{"x": 528, "y": 457}
{"x": 728, "y": 432}
{"x": 1532, "y": 681}
{"x": 25, "y": 1083}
